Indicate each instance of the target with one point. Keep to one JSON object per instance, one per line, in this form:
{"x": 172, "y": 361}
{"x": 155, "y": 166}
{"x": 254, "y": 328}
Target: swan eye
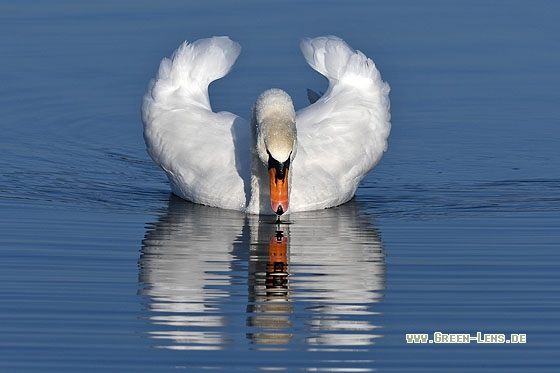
{"x": 280, "y": 167}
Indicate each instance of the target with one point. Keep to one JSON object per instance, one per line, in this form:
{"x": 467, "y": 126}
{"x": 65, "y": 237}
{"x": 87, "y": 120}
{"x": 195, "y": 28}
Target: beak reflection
{"x": 277, "y": 265}
{"x": 270, "y": 307}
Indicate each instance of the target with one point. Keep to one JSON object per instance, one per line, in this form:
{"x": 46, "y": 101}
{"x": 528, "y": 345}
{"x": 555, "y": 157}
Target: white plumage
{"x": 214, "y": 159}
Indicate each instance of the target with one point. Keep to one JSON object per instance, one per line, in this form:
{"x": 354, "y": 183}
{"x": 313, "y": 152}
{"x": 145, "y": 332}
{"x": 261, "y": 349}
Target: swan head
{"x": 276, "y": 143}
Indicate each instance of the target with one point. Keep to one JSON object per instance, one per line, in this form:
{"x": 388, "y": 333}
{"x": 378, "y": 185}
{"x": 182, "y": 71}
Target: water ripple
{"x": 312, "y": 283}
{"x": 432, "y": 201}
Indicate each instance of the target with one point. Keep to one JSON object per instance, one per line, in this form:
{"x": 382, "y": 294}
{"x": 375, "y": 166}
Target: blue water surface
{"x": 455, "y": 231}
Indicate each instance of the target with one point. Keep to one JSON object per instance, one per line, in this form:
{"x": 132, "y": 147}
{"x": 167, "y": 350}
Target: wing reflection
{"x": 185, "y": 269}
{"x": 336, "y": 271}
{"x": 313, "y": 280}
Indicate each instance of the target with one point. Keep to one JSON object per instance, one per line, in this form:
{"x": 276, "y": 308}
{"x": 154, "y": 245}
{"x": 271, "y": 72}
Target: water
{"x": 311, "y": 284}
{"x": 456, "y": 231}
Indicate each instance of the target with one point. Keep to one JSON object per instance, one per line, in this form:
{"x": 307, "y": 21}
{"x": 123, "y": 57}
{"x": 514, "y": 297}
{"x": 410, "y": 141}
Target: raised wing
{"x": 343, "y": 134}
{"x": 194, "y": 145}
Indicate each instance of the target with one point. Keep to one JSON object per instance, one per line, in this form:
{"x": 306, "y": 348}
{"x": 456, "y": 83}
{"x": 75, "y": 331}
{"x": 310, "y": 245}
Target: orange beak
{"x": 278, "y": 191}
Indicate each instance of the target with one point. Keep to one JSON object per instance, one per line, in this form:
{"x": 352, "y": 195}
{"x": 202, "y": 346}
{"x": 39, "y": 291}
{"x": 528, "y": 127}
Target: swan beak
{"x": 278, "y": 189}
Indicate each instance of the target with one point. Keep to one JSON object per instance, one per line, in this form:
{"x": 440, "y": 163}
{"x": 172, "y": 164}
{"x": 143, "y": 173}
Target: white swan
{"x": 312, "y": 159}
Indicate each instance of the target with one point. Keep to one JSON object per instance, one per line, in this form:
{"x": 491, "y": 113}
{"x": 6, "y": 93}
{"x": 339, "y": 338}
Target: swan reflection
{"x": 270, "y": 306}
{"x": 185, "y": 269}
{"x": 212, "y": 278}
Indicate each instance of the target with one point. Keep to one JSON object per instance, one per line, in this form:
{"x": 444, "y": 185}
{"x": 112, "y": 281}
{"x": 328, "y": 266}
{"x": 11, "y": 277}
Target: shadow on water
{"x": 220, "y": 280}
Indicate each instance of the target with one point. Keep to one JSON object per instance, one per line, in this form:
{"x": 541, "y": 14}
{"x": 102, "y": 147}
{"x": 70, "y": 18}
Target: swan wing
{"x": 195, "y": 146}
{"x": 343, "y": 134}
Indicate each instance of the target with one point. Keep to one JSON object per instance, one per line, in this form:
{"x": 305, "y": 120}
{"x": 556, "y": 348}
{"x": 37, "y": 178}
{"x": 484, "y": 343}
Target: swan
{"x": 281, "y": 161}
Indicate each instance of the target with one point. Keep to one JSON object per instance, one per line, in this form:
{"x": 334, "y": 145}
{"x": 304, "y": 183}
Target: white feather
{"x": 207, "y": 155}
{"x": 195, "y": 146}
{"x": 343, "y": 135}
